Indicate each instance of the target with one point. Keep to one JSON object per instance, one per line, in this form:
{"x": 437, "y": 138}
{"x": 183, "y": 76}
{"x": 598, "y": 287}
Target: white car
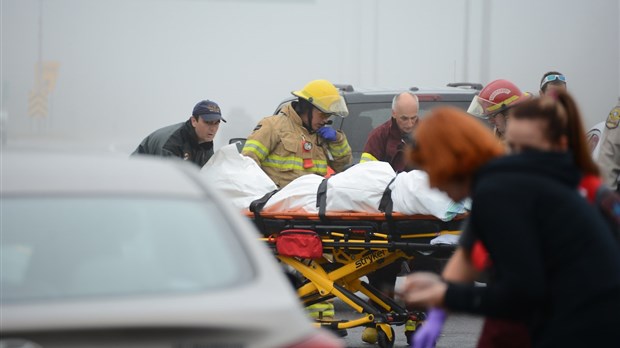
{"x": 594, "y": 136}
{"x": 101, "y": 251}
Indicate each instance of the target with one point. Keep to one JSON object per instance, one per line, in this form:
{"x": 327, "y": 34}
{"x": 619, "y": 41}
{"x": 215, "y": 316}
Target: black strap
{"x": 321, "y": 199}
{"x": 386, "y": 206}
{"x": 257, "y": 206}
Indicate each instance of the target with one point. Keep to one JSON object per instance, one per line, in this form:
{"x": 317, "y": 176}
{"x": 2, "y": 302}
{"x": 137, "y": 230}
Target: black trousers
{"x": 384, "y": 279}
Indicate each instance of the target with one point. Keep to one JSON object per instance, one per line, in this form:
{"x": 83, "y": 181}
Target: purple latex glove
{"x": 327, "y": 133}
{"x": 427, "y": 335}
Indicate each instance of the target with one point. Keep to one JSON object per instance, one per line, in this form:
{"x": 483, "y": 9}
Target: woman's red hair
{"x": 450, "y": 145}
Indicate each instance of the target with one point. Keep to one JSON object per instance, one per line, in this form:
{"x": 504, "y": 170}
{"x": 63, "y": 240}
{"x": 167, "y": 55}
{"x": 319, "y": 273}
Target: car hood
{"x": 277, "y": 310}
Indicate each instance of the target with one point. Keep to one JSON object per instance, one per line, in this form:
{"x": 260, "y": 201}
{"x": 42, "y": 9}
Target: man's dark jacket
{"x": 556, "y": 264}
{"x": 177, "y": 140}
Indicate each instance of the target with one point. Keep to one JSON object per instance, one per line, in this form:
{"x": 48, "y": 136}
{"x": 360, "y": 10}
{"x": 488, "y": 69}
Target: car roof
{"x": 371, "y": 95}
{"x": 450, "y": 93}
{"x": 40, "y": 172}
{"x": 414, "y": 90}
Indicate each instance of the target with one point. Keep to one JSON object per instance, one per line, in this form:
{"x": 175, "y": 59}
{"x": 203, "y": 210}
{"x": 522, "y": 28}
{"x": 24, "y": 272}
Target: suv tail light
{"x": 320, "y": 339}
{"x": 428, "y": 97}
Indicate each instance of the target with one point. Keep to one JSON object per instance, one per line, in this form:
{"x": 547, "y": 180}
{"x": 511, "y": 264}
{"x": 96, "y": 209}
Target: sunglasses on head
{"x": 553, "y": 77}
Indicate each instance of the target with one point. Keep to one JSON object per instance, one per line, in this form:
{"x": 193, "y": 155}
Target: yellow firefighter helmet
{"x": 324, "y": 96}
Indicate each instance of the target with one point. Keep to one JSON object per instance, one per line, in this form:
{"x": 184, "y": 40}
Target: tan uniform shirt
{"x": 609, "y": 154}
{"x": 285, "y": 149}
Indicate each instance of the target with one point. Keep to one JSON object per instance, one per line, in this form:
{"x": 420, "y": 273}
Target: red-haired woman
{"x": 554, "y": 259}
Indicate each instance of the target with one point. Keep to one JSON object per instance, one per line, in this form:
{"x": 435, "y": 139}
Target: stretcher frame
{"x": 354, "y": 245}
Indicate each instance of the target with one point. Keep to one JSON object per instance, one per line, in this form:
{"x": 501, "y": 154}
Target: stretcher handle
{"x": 405, "y": 246}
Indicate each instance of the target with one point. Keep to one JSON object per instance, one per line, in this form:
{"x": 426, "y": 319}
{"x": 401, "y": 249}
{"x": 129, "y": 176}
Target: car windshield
{"x": 364, "y": 117}
{"x": 69, "y": 247}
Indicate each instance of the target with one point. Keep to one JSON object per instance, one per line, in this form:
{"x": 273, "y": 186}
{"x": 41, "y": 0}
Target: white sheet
{"x": 411, "y": 194}
{"x": 359, "y": 188}
{"x": 237, "y": 177}
{"x": 298, "y": 195}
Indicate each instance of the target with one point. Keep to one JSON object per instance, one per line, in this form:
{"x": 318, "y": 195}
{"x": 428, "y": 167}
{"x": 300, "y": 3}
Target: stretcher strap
{"x": 386, "y": 206}
{"x": 321, "y": 199}
{"x": 257, "y": 206}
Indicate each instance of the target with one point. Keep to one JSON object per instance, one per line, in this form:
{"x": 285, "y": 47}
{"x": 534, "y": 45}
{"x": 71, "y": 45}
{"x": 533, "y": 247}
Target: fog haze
{"x": 113, "y": 71}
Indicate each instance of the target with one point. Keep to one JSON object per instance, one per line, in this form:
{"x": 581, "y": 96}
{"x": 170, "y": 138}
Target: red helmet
{"x": 495, "y": 97}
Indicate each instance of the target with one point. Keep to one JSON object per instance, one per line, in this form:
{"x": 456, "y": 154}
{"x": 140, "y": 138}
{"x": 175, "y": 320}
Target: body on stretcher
{"x": 352, "y": 246}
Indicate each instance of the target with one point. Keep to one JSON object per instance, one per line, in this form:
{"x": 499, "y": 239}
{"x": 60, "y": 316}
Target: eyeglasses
{"x": 553, "y": 77}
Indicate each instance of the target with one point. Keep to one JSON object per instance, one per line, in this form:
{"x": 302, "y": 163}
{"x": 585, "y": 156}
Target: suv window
{"x": 364, "y": 117}
{"x": 368, "y": 110}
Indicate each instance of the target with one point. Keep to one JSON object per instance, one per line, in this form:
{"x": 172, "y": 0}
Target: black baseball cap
{"x": 208, "y": 110}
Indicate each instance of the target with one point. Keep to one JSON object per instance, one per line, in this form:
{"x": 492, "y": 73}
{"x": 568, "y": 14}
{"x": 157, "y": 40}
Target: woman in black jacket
{"x": 556, "y": 266}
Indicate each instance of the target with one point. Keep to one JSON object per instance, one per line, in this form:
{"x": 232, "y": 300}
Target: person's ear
{"x": 194, "y": 121}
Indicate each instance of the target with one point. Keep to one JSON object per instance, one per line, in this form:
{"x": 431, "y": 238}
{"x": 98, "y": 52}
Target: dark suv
{"x": 370, "y": 108}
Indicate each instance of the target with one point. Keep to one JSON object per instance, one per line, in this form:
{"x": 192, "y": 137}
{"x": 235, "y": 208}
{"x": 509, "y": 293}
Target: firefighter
{"x": 493, "y": 102}
{"x": 298, "y": 140}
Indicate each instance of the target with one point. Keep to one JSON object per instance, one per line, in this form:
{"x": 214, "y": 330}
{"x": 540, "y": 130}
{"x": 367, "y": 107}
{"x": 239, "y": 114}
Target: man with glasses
{"x": 552, "y": 81}
{"x": 191, "y": 140}
{"x": 387, "y": 141}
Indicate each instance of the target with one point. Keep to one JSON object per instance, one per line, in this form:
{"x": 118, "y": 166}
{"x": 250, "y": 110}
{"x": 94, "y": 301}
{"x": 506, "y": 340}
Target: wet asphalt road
{"x": 460, "y": 331}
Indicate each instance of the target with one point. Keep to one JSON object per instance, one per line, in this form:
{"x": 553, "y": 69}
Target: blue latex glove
{"x": 427, "y": 335}
{"x": 327, "y": 133}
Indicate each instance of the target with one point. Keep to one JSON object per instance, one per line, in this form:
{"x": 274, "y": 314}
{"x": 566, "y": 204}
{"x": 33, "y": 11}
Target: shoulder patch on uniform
{"x": 613, "y": 119}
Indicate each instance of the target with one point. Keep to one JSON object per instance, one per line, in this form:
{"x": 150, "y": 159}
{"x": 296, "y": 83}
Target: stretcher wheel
{"x": 383, "y": 340}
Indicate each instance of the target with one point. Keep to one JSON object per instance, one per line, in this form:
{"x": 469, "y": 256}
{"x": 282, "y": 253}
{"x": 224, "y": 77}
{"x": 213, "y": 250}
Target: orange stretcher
{"x": 352, "y": 246}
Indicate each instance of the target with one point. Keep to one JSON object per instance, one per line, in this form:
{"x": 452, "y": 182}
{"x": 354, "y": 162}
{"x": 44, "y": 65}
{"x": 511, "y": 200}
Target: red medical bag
{"x": 299, "y": 243}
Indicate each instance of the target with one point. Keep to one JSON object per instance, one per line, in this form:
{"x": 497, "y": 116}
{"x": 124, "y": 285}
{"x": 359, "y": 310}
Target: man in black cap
{"x": 191, "y": 140}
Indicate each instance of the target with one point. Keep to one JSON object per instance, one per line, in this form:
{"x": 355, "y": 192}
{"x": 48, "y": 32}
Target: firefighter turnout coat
{"x": 286, "y": 150}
